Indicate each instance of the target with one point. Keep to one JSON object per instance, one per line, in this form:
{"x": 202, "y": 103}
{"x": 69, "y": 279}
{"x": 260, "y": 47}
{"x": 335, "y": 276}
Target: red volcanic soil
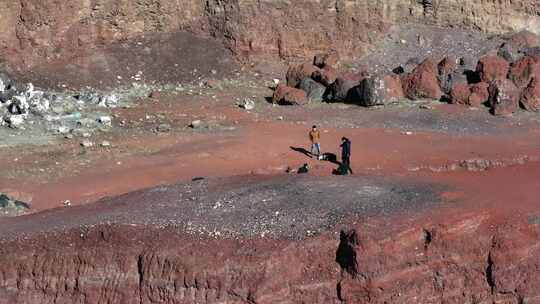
{"x": 442, "y": 208}
{"x": 262, "y": 149}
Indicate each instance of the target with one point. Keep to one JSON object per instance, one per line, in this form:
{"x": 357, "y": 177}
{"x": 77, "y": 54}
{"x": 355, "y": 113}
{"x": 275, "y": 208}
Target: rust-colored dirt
{"x": 474, "y": 241}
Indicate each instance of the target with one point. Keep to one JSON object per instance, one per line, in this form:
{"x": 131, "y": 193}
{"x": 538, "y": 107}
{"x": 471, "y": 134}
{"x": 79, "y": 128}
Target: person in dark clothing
{"x": 345, "y": 156}
{"x": 304, "y": 169}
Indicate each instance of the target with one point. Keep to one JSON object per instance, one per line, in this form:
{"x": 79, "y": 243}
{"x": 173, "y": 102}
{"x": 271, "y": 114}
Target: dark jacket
{"x": 346, "y": 149}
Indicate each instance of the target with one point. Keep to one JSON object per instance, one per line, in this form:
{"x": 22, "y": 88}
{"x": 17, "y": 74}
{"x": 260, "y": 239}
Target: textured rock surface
{"x": 523, "y": 70}
{"x": 340, "y": 90}
{"x": 378, "y": 90}
{"x": 491, "y": 68}
{"x": 530, "y": 98}
{"x": 314, "y": 90}
{"x": 284, "y": 95}
{"x": 33, "y": 32}
{"x": 326, "y": 76}
{"x": 503, "y": 97}
{"x": 297, "y": 73}
{"x": 422, "y": 82}
{"x": 139, "y": 248}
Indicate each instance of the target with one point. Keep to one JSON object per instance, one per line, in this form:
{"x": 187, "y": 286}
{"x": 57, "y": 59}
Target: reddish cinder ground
{"x": 258, "y": 144}
{"x": 479, "y": 243}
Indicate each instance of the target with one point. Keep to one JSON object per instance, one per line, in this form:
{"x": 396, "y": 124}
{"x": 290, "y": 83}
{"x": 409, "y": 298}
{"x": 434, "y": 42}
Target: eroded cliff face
{"x": 471, "y": 260}
{"x": 33, "y": 32}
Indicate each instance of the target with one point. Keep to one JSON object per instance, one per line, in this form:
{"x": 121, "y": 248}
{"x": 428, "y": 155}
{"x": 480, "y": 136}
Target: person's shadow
{"x": 303, "y": 151}
{"x": 329, "y": 157}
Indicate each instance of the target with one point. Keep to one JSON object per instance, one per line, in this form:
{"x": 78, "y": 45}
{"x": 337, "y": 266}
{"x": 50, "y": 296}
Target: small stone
{"x": 15, "y": 121}
{"x": 63, "y": 130}
{"x": 155, "y": 95}
{"x": 214, "y": 72}
{"x": 105, "y": 120}
{"x": 196, "y": 124}
{"x": 105, "y": 144}
{"x": 87, "y": 144}
{"x": 247, "y": 104}
{"x": 164, "y": 128}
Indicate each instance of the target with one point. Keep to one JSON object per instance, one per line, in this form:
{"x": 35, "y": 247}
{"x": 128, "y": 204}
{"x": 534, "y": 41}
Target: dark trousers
{"x": 346, "y": 160}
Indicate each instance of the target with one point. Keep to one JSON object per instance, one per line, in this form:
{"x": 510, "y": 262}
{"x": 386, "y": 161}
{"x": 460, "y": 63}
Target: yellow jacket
{"x": 314, "y": 136}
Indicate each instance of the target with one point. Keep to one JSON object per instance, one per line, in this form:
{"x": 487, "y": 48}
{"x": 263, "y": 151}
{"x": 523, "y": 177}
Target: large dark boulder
{"x": 378, "y": 90}
{"x": 314, "y": 90}
{"x": 340, "y": 90}
{"x": 325, "y": 76}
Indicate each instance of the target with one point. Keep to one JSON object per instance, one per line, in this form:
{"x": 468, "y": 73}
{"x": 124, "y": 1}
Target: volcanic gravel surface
{"x": 285, "y": 207}
{"x": 410, "y": 45}
{"x": 159, "y": 58}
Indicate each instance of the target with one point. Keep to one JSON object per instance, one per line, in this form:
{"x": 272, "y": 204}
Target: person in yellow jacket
{"x": 315, "y": 138}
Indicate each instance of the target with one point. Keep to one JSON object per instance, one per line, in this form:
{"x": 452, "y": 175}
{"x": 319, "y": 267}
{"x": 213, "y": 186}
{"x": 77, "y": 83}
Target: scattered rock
{"x": 105, "y": 120}
{"x": 447, "y": 66}
{"x": 297, "y": 73}
{"x": 325, "y": 60}
{"x": 422, "y": 82}
{"x": 378, "y": 90}
{"x": 491, "y": 68}
{"x": 63, "y": 130}
{"x": 87, "y": 143}
{"x": 340, "y": 90}
{"x": 197, "y": 124}
{"x": 524, "y": 39}
{"x": 523, "y": 70}
{"x": 247, "y": 104}
{"x": 503, "y": 97}
{"x": 109, "y": 101}
{"x": 105, "y": 144}
{"x": 449, "y": 75}
{"x": 212, "y": 84}
{"x": 460, "y": 94}
{"x": 12, "y": 207}
{"x": 15, "y": 121}
{"x": 509, "y": 52}
{"x": 479, "y": 94}
{"x": 326, "y": 76}
{"x": 470, "y": 94}
{"x": 284, "y": 95}
{"x": 155, "y": 95}
{"x": 164, "y": 128}
{"x": 314, "y": 90}
{"x": 530, "y": 98}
